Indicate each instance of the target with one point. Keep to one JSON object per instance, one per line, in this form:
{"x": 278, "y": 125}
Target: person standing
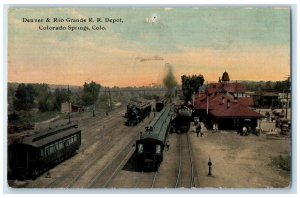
{"x": 197, "y": 129}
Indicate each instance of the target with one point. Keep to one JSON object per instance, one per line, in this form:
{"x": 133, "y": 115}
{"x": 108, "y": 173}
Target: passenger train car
{"x": 31, "y": 155}
{"x": 150, "y": 146}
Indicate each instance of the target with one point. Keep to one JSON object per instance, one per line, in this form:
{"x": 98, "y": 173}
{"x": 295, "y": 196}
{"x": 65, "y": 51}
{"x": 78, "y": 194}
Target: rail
{"x": 101, "y": 174}
{"x": 179, "y": 167}
{"x": 142, "y": 178}
{"x": 119, "y": 167}
{"x": 154, "y": 179}
{"x": 180, "y": 164}
{"x": 193, "y": 182}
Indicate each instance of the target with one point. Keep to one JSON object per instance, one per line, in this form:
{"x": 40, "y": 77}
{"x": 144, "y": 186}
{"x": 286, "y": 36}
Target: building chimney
{"x": 228, "y": 103}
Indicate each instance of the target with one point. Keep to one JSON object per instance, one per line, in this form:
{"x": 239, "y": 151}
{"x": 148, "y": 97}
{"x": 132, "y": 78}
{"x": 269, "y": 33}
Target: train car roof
{"x": 158, "y": 127}
{"x": 50, "y": 135}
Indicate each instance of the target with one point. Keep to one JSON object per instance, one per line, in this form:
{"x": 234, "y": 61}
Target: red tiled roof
{"x": 213, "y": 102}
{"x": 229, "y": 87}
{"x": 246, "y": 101}
{"x": 235, "y": 110}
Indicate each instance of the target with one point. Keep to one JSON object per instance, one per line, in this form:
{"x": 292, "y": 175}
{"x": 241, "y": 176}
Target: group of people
{"x": 215, "y": 127}
{"x": 199, "y": 130}
{"x": 247, "y": 131}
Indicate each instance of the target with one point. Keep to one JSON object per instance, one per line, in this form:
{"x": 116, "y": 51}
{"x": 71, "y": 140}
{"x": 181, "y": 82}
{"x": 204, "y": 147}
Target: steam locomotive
{"x": 136, "y": 112}
{"x": 182, "y": 119}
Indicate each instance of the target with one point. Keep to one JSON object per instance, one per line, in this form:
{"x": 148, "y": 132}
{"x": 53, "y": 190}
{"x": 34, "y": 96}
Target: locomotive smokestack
{"x": 169, "y": 79}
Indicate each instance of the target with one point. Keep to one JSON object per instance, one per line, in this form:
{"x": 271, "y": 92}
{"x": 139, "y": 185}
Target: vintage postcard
{"x": 149, "y": 97}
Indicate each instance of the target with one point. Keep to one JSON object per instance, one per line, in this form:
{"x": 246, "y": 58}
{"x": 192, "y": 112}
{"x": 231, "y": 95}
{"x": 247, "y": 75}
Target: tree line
{"x": 271, "y": 85}
{"x": 29, "y": 96}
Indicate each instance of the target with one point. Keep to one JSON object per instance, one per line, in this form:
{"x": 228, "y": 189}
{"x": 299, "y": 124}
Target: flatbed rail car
{"x": 32, "y": 155}
{"x": 150, "y": 146}
{"x": 137, "y": 113}
{"x": 182, "y": 119}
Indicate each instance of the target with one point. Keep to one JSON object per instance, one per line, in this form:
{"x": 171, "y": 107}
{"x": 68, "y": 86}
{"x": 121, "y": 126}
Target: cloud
{"x": 152, "y": 58}
{"x": 152, "y": 19}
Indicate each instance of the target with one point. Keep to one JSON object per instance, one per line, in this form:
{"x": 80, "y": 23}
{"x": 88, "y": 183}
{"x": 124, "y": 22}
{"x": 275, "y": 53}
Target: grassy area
{"x": 283, "y": 161}
{"x": 33, "y": 117}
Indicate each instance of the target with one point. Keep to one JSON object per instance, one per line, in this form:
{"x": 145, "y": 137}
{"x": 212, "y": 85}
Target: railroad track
{"x": 186, "y": 175}
{"x": 102, "y": 140}
{"x": 115, "y": 135}
{"x": 146, "y": 180}
{"x": 94, "y": 137}
{"x": 104, "y": 176}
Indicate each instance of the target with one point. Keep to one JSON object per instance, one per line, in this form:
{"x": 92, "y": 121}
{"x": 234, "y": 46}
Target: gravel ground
{"x": 240, "y": 161}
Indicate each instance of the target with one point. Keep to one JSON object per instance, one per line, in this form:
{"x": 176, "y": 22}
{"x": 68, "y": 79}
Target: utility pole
{"x": 287, "y": 97}
{"x": 236, "y": 91}
{"x": 287, "y": 104}
{"x": 109, "y": 99}
{"x": 105, "y": 98}
{"x": 69, "y": 104}
{"x": 207, "y": 98}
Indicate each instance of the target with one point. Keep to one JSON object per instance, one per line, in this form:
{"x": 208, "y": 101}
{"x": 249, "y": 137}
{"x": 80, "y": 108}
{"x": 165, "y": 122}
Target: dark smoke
{"x": 169, "y": 79}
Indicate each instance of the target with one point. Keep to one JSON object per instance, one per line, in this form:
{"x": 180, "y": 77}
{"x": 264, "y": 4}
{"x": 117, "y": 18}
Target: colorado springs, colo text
{"x": 70, "y": 20}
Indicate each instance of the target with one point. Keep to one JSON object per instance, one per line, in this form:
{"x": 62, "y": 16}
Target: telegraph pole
{"x": 69, "y": 104}
{"x": 109, "y": 99}
{"x": 105, "y": 100}
{"x": 287, "y": 97}
{"x": 207, "y": 98}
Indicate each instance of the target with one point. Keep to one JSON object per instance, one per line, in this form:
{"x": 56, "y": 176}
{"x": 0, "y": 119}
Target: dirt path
{"x": 239, "y": 161}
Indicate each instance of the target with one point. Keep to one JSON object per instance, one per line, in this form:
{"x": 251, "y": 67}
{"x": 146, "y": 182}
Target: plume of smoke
{"x": 169, "y": 79}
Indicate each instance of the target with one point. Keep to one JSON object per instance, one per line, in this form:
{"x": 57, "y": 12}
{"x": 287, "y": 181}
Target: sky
{"x": 250, "y": 43}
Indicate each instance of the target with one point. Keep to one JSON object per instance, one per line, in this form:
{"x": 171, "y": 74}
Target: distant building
{"x": 266, "y": 98}
{"x": 66, "y": 107}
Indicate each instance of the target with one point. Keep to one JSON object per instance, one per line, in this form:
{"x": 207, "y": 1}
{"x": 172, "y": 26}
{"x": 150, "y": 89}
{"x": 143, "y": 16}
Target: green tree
{"x": 60, "y": 96}
{"x": 190, "y": 85}
{"x": 46, "y": 102}
{"x": 24, "y": 97}
{"x": 90, "y": 93}
{"x": 45, "y": 98}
